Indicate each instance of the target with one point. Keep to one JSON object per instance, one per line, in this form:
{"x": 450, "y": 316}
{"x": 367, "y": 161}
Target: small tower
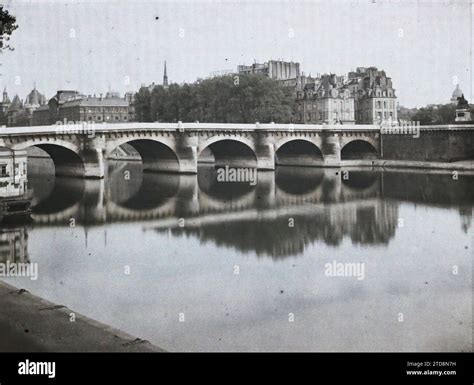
{"x": 5, "y": 96}
{"x": 165, "y": 77}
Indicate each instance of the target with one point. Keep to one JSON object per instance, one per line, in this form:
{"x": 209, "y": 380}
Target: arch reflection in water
{"x": 315, "y": 200}
{"x": 323, "y": 204}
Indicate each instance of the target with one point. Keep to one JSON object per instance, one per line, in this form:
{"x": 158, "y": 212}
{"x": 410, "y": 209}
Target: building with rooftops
{"x": 374, "y": 95}
{"x": 326, "y": 99}
{"x": 19, "y": 112}
{"x": 365, "y": 96}
{"x": 111, "y": 109}
{"x": 72, "y": 106}
{"x": 274, "y": 69}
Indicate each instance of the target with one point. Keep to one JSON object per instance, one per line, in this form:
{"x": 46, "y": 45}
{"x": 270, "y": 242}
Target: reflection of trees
{"x": 373, "y": 223}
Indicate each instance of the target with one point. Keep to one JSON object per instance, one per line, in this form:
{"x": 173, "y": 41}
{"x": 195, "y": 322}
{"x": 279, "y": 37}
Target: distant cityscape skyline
{"x": 425, "y": 49}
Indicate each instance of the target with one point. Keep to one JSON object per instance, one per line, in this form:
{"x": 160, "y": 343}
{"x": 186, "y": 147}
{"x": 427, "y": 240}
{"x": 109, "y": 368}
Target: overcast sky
{"x": 86, "y": 45}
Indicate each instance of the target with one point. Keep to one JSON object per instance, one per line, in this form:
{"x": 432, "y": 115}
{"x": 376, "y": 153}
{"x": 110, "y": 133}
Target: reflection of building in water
{"x": 365, "y": 222}
{"x": 370, "y": 222}
{"x": 14, "y": 245}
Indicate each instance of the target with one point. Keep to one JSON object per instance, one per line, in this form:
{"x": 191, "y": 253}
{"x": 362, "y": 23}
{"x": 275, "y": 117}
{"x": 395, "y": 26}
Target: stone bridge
{"x": 82, "y": 150}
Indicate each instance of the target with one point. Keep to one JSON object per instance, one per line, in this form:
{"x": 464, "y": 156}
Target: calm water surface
{"x": 245, "y": 267}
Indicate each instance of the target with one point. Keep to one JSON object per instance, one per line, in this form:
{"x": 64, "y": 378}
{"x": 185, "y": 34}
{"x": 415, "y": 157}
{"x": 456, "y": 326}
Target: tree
{"x": 438, "y": 114}
{"x": 7, "y": 26}
{"x": 445, "y": 114}
{"x": 225, "y": 99}
{"x": 424, "y": 116}
{"x": 143, "y": 105}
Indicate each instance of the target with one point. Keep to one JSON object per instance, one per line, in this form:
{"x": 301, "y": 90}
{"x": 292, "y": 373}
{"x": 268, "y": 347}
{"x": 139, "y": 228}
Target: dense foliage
{"x": 231, "y": 98}
{"x": 7, "y": 26}
{"x": 439, "y": 114}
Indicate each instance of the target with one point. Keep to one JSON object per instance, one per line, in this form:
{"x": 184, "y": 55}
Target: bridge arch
{"x": 359, "y": 149}
{"x": 298, "y": 152}
{"x": 64, "y": 154}
{"x": 232, "y": 152}
{"x": 156, "y": 154}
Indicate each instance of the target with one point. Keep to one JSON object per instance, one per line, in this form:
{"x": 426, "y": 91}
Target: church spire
{"x": 165, "y": 77}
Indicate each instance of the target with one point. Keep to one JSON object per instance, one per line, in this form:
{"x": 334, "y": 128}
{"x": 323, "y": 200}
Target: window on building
{"x": 384, "y": 104}
{"x": 379, "y": 104}
{"x": 124, "y": 118}
{"x": 3, "y": 170}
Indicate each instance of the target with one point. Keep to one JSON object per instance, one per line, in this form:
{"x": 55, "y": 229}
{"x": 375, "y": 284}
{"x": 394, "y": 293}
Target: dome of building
{"x": 456, "y": 93}
{"x": 34, "y": 98}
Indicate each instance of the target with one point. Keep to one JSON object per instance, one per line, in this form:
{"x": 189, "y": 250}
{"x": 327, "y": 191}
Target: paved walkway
{"x": 32, "y": 324}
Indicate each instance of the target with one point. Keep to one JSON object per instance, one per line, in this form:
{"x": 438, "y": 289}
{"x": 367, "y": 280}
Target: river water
{"x": 308, "y": 259}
